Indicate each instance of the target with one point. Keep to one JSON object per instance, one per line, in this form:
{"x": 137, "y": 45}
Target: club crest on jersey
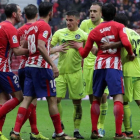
{"x": 77, "y": 36}
{"x": 14, "y": 38}
{"x": 90, "y": 28}
{"x": 45, "y": 34}
{"x": 124, "y": 30}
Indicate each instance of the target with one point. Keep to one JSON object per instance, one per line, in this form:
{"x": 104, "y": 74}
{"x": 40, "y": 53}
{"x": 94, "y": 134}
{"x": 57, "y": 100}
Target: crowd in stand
{"x": 130, "y": 7}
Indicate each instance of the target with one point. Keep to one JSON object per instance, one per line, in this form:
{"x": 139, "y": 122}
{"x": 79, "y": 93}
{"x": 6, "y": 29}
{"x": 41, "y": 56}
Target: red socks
{"x": 32, "y": 119}
{"x": 57, "y": 123}
{"x": 20, "y": 118}
{"x": 95, "y": 112}
{"x": 118, "y": 113}
{"x": 8, "y": 106}
{"x": 2, "y": 120}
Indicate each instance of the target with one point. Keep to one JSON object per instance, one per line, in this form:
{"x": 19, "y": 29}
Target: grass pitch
{"x": 45, "y": 125}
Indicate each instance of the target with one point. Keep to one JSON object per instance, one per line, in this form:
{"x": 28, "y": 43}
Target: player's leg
{"x": 61, "y": 88}
{"x": 98, "y": 88}
{"x": 3, "y": 98}
{"x": 103, "y": 112}
{"x": 76, "y": 94}
{"x": 136, "y": 93}
{"x": 10, "y": 84}
{"x": 77, "y": 117}
{"x": 114, "y": 79}
{"x": 128, "y": 97}
{"x": 29, "y": 94}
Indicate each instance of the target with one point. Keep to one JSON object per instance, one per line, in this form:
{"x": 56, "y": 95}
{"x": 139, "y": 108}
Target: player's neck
{"x": 96, "y": 22}
{"x": 31, "y": 21}
{"x": 46, "y": 19}
{"x": 11, "y": 20}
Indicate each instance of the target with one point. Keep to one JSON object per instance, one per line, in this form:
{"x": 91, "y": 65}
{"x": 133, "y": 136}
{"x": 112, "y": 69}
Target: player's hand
{"x": 22, "y": 40}
{"x": 55, "y": 56}
{"x": 62, "y": 48}
{"x": 131, "y": 57}
{"x": 55, "y": 71}
{"x": 75, "y": 45}
{"x": 94, "y": 50}
{"x": 105, "y": 46}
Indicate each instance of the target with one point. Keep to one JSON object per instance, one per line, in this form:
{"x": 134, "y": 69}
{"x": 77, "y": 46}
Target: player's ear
{"x": 14, "y": 14}
{"x": 51, "y": 14}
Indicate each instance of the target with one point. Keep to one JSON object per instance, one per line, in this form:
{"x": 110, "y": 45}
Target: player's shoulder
{"x": 63, "y": 30}
{"x": 81, "y": 31}
{"x": 131, "y": 32}
{"x": 86, "y": 21}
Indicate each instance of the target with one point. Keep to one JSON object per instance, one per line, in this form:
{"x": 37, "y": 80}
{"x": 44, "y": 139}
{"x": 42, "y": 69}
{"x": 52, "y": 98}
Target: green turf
{"x": 45, "y": 124}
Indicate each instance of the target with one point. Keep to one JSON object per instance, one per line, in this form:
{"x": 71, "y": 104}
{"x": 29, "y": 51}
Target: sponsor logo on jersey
{"x": 14, "y": 38}
{"x": 45, "y": 34}
{"x": 77, "y": 36}
{"x": 63, "y": 41}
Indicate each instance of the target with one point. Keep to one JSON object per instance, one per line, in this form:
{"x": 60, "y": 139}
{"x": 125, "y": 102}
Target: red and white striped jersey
{"x": 107, "y": 32}
{"x": 39, "y": 30}
{"x": 8, "y": 40}
{"x": 22, "y": 32}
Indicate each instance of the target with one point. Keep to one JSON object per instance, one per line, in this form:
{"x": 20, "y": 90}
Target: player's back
{"x": 39, "y": 30}
{"x": 131, "y": 68}
{"x": 108, "y": 32}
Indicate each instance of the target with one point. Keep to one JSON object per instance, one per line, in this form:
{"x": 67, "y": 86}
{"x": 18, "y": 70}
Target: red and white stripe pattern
{"x": 37, "y": 61}
{"x": 5, "y": 63}
{"x": 110, "y": 62}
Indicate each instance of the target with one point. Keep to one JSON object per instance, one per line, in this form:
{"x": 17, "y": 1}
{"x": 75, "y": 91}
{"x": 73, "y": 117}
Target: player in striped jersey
{"x": 108, "y": 68}
{"x": 9, "y": 83}
{"x": 131, "y": 73}
{"x": 88, "y": 67}
{"x": 31, "y": 16}
{"x": 40, "y": 72}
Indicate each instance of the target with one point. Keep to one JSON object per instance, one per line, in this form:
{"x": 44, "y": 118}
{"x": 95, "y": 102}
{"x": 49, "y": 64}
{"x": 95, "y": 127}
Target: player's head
{"x": 72, "y": 20}
{"x": 13, "y": 11}
{"x": 121, "y": 18}
{"x": 30, "y": 11}
{"x": 45, "y": 9}
{"x": 108, "y": 11}
{"x": 95, "y": 12}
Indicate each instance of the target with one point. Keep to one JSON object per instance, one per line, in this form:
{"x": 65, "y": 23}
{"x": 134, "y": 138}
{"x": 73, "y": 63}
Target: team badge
{"x": 14, "y": 38}
{"x": 45, "y": 34}
{"x": 90, "y": 28}
{"x": 77, "y": 36}
{"x": 124, "y": 30}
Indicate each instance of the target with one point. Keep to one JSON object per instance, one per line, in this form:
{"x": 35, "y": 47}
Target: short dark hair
{"x": 30, "y": 11}
{"x": 121, "y": 18}
{"x": 108, "y": 11}
{"x": 97, "y": 3}
{"x": 9, "y": 9}
{"x": 45, "y": 8}
{"x": 73, "y": 13}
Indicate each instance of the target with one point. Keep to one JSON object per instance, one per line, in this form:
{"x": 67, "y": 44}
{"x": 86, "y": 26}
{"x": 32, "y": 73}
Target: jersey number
{"x": 136, "y": 50}
{"x": 31, "y": 44}
{"x": 107, "y": 39}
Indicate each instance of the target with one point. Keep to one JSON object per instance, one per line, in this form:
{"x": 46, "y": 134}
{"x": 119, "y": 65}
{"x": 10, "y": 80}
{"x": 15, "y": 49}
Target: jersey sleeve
{"x": 55, "y": 38}
{"x": 124, "y": 39}
{"x": 89, "y": 44}
{"x": 13, "y": 39}
{"x": 44, "y": 32}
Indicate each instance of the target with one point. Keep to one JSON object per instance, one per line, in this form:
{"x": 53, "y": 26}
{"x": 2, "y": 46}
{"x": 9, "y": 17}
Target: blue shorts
{"x": 39, "y": 82}
{"x": 21, "y": 75}
{"x": 9, "y": 82}
{"x": 108, "y": 77}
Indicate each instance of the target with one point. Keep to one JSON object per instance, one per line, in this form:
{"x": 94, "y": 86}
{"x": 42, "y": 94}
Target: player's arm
{"x": 60, "y": 48}
{"x": 106, "y": 45}
{"x": 45, "y": 55}
{"x": 20, "y": 51}
{"x": 83, "y": 51}
{"x": 94, "y": 50}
